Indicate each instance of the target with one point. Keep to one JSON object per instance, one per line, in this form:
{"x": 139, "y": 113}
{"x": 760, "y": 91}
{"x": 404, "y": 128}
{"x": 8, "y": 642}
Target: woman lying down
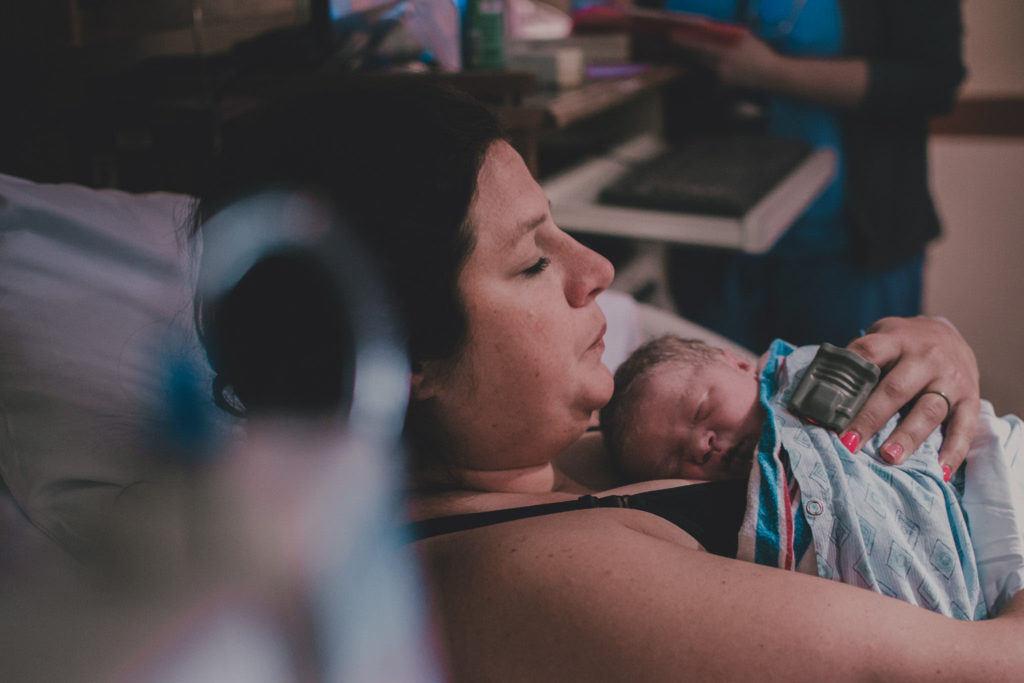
{"x": 682, "y": 408}
{"x": 506, "y": 339}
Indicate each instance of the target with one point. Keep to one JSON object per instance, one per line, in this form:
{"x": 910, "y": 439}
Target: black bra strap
{"x": 711, "y": 512}
{"x": 426, "y": 528}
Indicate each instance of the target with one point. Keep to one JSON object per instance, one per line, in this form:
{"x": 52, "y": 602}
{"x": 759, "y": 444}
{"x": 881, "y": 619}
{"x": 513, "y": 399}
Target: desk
{"x": 542, "y": 113}
{"x": 172, "y": 123}
{"x": 573, "y": 191}
{"x": 529, "y": 116}
{"x": 573, "y": 195}
{"x": 527, "y": 113}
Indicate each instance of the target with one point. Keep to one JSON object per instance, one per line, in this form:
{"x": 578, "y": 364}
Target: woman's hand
{"x": 917, "y": 356}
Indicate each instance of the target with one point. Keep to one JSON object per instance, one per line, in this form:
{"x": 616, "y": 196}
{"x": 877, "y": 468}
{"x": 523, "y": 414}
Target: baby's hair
{"x": 618, "y": 415}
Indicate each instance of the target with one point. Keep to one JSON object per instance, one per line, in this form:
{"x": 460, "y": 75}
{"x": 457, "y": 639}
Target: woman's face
{"x": 530, "y": 375}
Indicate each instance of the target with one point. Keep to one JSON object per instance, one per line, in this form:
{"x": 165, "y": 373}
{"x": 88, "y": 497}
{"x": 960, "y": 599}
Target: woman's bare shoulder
{"x": 504, "y": 592}
{"x": 613, "y": 594}
{"x": 550, "y": 543}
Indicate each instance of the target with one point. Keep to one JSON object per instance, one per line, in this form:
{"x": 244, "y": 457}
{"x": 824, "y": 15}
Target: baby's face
{"x": 696, "y": 423}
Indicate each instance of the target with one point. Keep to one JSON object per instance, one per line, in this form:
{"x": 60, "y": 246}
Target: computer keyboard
{"x": 719, "y": 176}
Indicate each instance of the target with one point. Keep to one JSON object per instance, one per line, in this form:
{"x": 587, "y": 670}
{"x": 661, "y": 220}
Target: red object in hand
{"x": 601, "y": 19}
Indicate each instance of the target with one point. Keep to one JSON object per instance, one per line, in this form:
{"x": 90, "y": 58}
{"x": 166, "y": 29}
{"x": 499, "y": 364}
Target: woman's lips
{"x": 598, "y": 343}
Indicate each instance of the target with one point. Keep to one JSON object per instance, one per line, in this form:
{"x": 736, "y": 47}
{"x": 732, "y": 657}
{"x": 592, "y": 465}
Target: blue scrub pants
{"x": 753, "y": 299}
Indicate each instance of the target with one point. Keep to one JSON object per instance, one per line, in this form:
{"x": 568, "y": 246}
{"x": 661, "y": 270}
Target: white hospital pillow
{"x": 630, "y": 324}
{"x": 623, "y": 333}
{"x": 95, "y": 296}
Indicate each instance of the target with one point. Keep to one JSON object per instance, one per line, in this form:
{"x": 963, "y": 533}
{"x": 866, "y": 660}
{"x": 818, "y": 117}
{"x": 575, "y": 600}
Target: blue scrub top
{"x": 797, "y": 27}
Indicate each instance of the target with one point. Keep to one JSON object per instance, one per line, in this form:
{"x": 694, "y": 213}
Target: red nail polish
{"x": 850, "y": 440}
{"x": 947, "y": 472}
{"x": 892, "y": 452}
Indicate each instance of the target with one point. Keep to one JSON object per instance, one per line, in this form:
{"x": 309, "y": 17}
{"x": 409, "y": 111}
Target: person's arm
{"x": 914, "y": 69}
{"x": 919, "y": 355}
{"x": 751, "y": 64}
{"x": 591, "y": 599}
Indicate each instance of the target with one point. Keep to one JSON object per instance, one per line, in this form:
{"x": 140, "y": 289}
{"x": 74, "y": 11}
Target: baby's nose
{"x": 703, "y": 443}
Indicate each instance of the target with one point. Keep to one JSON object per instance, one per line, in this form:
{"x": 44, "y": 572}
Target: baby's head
{"x": 683, "y": 409}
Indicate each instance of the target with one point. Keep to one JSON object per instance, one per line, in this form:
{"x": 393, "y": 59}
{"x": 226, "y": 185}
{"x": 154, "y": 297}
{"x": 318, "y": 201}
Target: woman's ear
{"x": 423, "y": 379}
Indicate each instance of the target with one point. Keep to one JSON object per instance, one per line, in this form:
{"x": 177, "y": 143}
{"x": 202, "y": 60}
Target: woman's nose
{"x": 589, "y": 274}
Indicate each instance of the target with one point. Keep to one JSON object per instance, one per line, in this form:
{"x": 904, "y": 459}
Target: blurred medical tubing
{"x": 302, "y": 572}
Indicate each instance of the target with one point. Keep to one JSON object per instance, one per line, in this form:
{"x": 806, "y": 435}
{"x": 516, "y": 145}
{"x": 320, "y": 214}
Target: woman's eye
{"x": 542, "y": 263}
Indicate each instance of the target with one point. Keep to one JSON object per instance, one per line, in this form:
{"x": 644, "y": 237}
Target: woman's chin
{"x": 604, "y": 387}
{"x": 593, "y": 395}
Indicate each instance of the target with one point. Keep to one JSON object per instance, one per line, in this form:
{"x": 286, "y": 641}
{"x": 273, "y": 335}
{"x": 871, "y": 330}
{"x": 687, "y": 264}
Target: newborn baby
{"x": 683, "y": 409}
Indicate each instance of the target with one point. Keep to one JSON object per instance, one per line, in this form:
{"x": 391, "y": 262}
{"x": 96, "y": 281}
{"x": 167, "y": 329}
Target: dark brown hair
{"x": 400, "y": 162}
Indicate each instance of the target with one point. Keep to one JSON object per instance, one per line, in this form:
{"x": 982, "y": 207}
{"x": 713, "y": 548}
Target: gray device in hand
{"x": 833, "y": 388}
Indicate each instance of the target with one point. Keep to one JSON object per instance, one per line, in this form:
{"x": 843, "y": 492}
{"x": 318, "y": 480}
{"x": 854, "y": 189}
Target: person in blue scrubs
{"x": 860, "y": 77}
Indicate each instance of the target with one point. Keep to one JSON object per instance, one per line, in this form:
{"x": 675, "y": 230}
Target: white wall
{"x": 974, "y": 274}
{"x": 993, "y": 32}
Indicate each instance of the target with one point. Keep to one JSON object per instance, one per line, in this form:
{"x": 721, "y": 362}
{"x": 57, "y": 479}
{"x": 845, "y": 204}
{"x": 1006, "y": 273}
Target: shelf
{"x": 574, "y": 205}
{"x": 565, "y": 107}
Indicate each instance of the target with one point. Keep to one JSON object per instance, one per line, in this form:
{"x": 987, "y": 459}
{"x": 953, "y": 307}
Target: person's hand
{"x": 746, "y": 63}
{"x": 917, "y": 356}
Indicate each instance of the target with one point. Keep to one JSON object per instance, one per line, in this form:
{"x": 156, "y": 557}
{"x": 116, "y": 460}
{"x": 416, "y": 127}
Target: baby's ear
{"x": 423, "y": 380}
{"x": 737, "y": 360}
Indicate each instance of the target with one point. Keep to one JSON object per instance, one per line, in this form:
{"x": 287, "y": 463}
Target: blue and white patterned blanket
{"x": 900, "y": 531}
